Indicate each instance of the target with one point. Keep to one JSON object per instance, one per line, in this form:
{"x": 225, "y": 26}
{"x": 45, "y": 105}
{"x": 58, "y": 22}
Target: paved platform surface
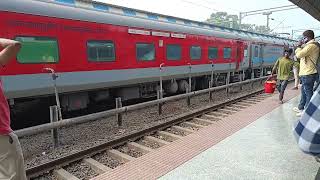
{"x": 255, "y": 143}
{"x": 266, "y": 149}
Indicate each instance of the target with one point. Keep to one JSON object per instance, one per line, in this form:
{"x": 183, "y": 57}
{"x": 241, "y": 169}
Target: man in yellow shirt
{"x": 308, "y": 52}
{"x": 283, "y": 68}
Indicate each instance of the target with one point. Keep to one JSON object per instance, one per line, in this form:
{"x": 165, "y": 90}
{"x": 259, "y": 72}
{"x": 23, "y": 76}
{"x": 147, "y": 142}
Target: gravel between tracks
{"x": 130, "y": 152}
{"x": 163, "y": 138}
{"x": 107, "y": 160}
{"x": 38, "y": 149}
{"x": 152, "y": 145}
{"x": 176, "y": 132}
{"x": 81, "y": 170}
{"x": 200, "y": 123}
{"x": 189, "y": 127}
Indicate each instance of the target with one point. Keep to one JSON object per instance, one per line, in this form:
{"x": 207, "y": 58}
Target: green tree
{"x": 232, "y": 21}
{"x": 262, "y": 29}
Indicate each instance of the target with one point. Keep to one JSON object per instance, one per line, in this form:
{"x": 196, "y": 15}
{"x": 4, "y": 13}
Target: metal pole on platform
{"x": 160, "y": 92}
{"x": 190, "y": 86}
{"x": 161, "y": 86}
{"x": 212, "y": 72}
{"x": 119, "y": 115}
{"x": 54, "y": 118}
{"x": 188, "y": 97}
{"x": 210, "y": 92}
{"x": 228, "y": 82}
{"x": 54, "y": 78}
{"x": 159, "y": 104}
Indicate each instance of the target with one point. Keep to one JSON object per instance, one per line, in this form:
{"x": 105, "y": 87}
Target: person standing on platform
{"x": 296, "y": 74}
{"x": 308, "y": 53}
{"x": 307, "y": 129}
{"x": 11, "y": 157}
{"x": 283, "y": 68}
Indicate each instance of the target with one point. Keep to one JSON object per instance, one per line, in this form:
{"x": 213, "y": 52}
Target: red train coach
{"x": 98, "y": 54}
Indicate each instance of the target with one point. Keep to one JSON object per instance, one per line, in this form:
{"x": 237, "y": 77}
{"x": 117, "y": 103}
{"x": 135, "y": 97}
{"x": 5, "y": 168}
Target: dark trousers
{"x": 307, "y": 89}
{"x": 281, "y": 85}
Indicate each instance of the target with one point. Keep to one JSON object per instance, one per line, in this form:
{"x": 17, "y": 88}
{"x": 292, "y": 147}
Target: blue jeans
{"x": 307, "y": 89}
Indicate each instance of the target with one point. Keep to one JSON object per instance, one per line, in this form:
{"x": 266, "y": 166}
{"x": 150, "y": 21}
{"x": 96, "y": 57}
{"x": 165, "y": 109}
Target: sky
{"x": 200, "y": 10}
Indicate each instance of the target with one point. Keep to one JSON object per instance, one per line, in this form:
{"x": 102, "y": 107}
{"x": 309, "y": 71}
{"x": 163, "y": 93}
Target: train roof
{"x": 91, "y": 11}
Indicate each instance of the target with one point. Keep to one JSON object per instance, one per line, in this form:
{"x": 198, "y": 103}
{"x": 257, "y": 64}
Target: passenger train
{"x": 101, "y": 51}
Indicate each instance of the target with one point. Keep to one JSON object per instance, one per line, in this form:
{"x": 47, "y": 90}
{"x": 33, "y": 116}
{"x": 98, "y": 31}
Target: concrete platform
{"x": 265, "y": 149}
{"x": 254, "y": 143}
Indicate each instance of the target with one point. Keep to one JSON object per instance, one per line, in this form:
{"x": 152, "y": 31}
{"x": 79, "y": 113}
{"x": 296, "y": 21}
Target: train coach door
{"x": 261, "y": 54}
{"x": 161, "y": 51}
{"x": 262, "y": 69}
{"x": 239, "y": 55}
{"x": 255, "y": 55}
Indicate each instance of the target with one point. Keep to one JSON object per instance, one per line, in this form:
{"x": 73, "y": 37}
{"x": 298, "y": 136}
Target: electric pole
{"x": 266, "y": 12}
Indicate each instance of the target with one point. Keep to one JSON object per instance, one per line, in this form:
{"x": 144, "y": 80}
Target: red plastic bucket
{"x": 269, "y": 87}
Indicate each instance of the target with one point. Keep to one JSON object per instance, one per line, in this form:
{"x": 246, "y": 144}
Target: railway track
{"x": 95, "y": 160}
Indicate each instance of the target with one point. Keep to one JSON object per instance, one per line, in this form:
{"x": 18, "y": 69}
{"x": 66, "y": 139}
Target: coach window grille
{"x": 256, "y": 51}
{"x": 227, "y": 53}
{"x": 212, "y": 52}
{"x": 173, "y": 52}
{"x": 245, "y": 52}
{"x": 195, "y": 52}
{"x": 101, "y": 51}
{"x": 38, "y": 50}
{"x": 145, "y": 51}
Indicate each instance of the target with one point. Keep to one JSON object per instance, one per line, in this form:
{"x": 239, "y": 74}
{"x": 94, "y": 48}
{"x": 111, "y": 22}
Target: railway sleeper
{"x": 62, "y": 174}
{"x": 194, "y": 124}
{"x": 226, "y": 111}
{"x": 185, "y": 130}
{"x": 245, "y": 104}
{"x": 239, "y": 107}
{"x": 169, "y": 135}
{"x": 98, "y": 167}
{"x": 211, "y": 117}
{"x": 156, "y": 140}
{"x": 139, "y": 147}
{"x": 260, "y": 97}
{"x": 218, "y": 114}
{"x": 253, "y": 99}
{"x": 249, "y": 101}
{"x": 231, "y": 109}
{"x": 119, "y": 155}
{"x": 205, "y": 121}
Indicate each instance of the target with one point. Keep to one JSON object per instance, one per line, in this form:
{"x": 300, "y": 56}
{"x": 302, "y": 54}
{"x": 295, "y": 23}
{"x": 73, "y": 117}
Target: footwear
{"x": 281, "y": 96}
{"x": 299, "y": 114}
{"x": 296, "y": 109}
{"x": 295, "y": 88}
{"x": 280, "y": 102}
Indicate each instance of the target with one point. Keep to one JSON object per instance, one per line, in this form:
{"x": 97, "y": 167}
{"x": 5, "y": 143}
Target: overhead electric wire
{"x": 209, "y": 2}
{"x": 272, "y": 8}
{"x": 278, "y": 24}
{"x": 200, "y": 5}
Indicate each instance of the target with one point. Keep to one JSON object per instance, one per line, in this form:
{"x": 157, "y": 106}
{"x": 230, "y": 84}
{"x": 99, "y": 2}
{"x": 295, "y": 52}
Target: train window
{"x": 38, "y": 50}
{"x": 256, "y": 51}
{"x": 213, "y": 53}
{"x": 101, "y": 51}
{"x": 227, "y": 53}
{"x": 173, "y": 52}
{"x": 195, "y": 52}
{"x": 145, "y": 51}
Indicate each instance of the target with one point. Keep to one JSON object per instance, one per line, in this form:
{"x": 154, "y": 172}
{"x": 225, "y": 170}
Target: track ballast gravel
{"x": 38, "y": 149}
